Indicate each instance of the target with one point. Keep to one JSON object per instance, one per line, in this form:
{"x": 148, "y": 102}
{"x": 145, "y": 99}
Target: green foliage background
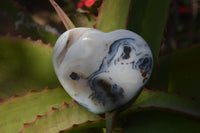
{"x": 32, "y": 100}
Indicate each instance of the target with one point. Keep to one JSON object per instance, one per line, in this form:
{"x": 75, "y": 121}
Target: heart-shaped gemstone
{"x": 102, "y": 71}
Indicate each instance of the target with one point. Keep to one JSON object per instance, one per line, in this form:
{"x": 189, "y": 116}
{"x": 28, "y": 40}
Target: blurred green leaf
{"x": 160, "y": 122}
{"x": 166, "y": 101}
{"x": 16, "y": 22}
{"x": 23, "y": 109}
{"x": 179, "y": 72}
{"x": 148, "y": 19}
{"x": 113, "y": 15}
{"x": 25, "y": 65}
{"x": 83, "y": 20}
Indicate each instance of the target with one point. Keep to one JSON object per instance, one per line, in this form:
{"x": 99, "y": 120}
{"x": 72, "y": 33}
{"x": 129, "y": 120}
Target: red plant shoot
{"x": 87, "y": 3}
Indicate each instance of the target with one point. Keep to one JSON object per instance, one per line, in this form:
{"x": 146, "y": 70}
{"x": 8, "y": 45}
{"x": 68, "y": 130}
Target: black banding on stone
{"x": 126, "y": 53}
{"x": 75, "y": 76}
{"x": 144, "y": 64}
{"x": 103, "y": 90}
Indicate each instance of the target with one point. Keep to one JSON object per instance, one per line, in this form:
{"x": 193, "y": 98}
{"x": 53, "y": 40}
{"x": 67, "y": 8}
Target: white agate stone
{"x": 102, "y": 71}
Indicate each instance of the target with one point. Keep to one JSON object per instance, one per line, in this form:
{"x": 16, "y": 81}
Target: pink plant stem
{"x": 65, "y": 19}
{"x": 110, "y": 116}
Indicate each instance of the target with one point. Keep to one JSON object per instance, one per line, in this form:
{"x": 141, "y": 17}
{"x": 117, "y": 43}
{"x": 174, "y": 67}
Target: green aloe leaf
{"x": 59, "y": 119}
{"x": 113, "y": 15}
{"x": 86, "y": 127}
{"x": 156, "y": 102}
{"x": 25, "y": 65}
{"x": 178, "y": 72}
{"x": 161, "y": 112}
{"x": 16, "y": 111}
{"x": 166, "y": 101}
{"x": 152, "y": 121}
{"x": 148, "y": 19}
{"x": 155, "y": 110}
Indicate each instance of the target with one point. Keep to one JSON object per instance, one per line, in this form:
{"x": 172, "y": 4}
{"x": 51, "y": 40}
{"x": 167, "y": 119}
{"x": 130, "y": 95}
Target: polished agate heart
{"x": 102, "y": 71}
